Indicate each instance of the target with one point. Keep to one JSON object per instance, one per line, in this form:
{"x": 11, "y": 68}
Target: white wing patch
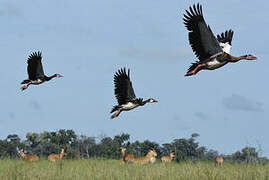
{"x": 226, "y": 47}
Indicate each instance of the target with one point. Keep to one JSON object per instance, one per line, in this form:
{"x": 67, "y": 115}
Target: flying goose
{"x": 35, "y": 71}
{"x": 205, "y": 45}
{"x": 125, "y": 94}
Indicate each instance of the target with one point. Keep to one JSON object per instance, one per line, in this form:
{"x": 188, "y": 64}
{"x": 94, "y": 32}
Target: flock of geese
{"x": 212, "y": 52}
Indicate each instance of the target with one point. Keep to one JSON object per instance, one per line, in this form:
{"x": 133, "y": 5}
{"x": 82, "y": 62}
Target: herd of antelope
{"x": 126, "y": 158}
{"x": 149, "y": 158}
{"x": 52, "y": 157}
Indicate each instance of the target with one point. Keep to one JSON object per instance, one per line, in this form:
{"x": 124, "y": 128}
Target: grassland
{"x": 101, "y": 169}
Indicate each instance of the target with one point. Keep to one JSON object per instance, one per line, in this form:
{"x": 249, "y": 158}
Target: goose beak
{"x": 155, "y": 100}
{"x": 253, "y": 57}
{"x": 61, "y": 75}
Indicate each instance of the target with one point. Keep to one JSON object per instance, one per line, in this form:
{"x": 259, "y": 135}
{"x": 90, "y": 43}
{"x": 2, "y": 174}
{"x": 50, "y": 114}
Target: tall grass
{"x": 102, "y": 169}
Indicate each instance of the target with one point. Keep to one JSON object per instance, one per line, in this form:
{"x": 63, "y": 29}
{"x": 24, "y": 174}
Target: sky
{"x": 88, "y": 41}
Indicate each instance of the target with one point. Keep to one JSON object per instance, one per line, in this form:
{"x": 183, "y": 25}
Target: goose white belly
{"x": 38, "y": 81}
{"x": 214, "y": 64}
{"x": 129, "y": 106}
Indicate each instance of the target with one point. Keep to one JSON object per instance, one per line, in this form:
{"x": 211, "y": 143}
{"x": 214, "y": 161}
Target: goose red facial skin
{"x": 251, "y": 57}
{"x": 59, "y": 75}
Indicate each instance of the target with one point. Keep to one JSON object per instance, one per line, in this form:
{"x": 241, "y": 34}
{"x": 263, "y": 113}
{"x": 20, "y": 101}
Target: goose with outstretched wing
{"x": 205, "y": 45}
{"x": 125, "y": 94}
{"x": 35, "y": 71}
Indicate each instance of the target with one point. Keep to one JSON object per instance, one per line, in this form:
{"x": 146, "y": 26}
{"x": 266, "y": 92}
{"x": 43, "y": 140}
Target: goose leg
{"x": 196, "y": 70}
{"x": 25, "y": 86}
{"x": 116, "y": 114}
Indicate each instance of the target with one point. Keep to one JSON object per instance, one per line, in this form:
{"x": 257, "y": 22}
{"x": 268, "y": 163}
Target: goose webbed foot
{"x": 190, "y": 73}
{"x": 116, "y": 114}
{"x": 25, "y": 86}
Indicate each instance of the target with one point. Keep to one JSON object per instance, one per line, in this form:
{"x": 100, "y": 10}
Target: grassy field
{"x": 101, "y": 169}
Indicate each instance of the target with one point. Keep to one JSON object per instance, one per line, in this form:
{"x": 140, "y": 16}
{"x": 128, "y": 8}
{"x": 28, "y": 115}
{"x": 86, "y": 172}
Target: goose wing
{"x": 201, "y": 38}
{"x": 225, "y": 40}
{"x": 34, "y": 68}
{"x": 124, "y": 91}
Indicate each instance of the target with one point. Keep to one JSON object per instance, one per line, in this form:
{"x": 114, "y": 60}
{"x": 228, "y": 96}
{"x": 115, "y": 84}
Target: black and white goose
{"x": 125, "y": 94}
{"x": 35, "y": 71}
{"x": 206, "y": 46}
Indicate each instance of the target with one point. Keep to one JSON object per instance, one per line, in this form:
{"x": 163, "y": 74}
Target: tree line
{"x": 81, "y": 146}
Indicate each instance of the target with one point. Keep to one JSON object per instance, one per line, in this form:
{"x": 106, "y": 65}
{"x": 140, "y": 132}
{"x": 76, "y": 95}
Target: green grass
{"x": 101, "y": 169}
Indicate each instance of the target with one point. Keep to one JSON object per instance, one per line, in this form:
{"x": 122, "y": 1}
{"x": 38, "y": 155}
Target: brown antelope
{"x": 153, "y": 158}
{"x": 28, "y": 157}
{"x": 219, "y": 160}
{"x": 126, "y": 157}
{"x": 149, "y": 158}
{"x": 54, "y": 157}
{"x": 166, "y": 159}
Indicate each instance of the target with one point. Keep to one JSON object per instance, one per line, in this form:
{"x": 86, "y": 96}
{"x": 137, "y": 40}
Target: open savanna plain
{"x": 103, "y": 169}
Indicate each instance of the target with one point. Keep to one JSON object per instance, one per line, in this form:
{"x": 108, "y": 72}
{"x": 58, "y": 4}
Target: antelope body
{"x": 28, "y": 157}
{"x": 219, "y": 160}
{"x": 126, "y": 157}
{"x": 149, "y": 158}
{"x": 54, "y": 157}
{"x": 166, "y": 159}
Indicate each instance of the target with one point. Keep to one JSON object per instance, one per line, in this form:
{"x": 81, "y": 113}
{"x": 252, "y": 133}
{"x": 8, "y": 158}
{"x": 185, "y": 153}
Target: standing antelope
{"x": 54, "y": 157}
{"x": 28, "y": 157}
{"x": 149, "y": 158}
{"x": 219, "y": 160}
{"x": 153, "y": 157}
{"x": 169, "y": 158}
{"x": 126, "y": 157}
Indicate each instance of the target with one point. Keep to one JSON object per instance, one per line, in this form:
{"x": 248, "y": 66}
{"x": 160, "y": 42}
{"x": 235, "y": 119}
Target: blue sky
{"x": 87, "y": 41}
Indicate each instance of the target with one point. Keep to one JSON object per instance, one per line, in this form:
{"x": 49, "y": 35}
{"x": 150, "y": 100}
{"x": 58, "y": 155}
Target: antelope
{"x": 54, "y": 157}
{"x": 126, "y": 157}
{"x": 166, "y": 159}
{"x": 153, "y": 158}
{"x": 149, "y": 158}
{"x": 28, "y": 157}
{"x": 219, "y": 160}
